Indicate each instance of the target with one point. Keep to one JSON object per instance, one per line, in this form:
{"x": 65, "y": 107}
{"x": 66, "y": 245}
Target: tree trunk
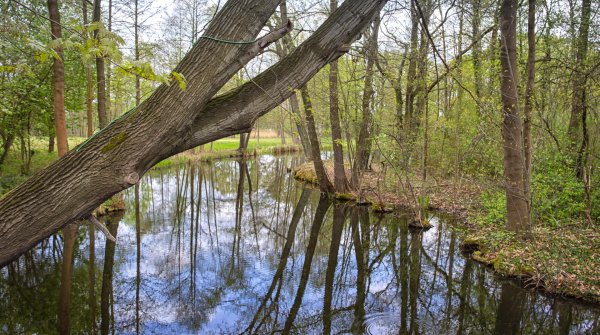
{"x": 58, "y": 81}
{"x": 514, "y": 162}
{"x": 476, "y": 42}
{"x": 284, "y": 49}
{"x": 576, "y": 132}
{"x": 529, "y": 95}
{"x": 339, "y": 171}
{"x": 324, "y": 182}
{"x": 100, "y": 75}
{"x": 171, "y": 120}
{"x": 364, "y": 141}
{"x": 89, "y": 81}
{"x": 412, "y": 67}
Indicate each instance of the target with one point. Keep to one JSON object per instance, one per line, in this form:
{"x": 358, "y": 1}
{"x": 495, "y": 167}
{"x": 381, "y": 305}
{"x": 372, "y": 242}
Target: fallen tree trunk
{"x": 172, "y": 120}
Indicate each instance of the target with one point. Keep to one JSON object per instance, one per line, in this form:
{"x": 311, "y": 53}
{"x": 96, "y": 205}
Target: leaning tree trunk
{"x": 514, "y": 161}
{"x": 171, "y": 120}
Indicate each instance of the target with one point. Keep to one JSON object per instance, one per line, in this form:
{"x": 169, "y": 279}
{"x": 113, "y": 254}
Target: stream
{"x": 232, "y": 247}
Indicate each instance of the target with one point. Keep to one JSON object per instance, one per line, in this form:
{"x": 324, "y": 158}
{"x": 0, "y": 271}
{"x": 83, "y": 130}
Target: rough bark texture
{"x": 577, "y": 132}
{"x": 100, "y": 74}
{"x": 529, "y": 94}
{"x": 58, "y": 82}
{"x": 172, "y": 120}
{"x": 339, "y": 180}
{"x": 514, "y": 162}
{"x": 89, "y": 81}
{"x": 284, "y": 49}
{"x": 364, "y": 141}
{"x": 315, "y": 148}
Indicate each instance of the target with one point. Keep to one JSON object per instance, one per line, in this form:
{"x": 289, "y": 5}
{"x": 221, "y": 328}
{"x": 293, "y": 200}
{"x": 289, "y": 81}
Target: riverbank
{"x": 561, "y": 260}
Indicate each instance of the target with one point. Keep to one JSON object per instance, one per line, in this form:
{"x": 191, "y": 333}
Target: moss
{"x": 114, "y": 142}
{"x": 345, "y": 196}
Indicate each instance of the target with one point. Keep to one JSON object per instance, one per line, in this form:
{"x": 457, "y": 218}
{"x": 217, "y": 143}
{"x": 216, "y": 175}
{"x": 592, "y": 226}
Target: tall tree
{"x": 529, "y": 94}
{"x": 577, "y": 124}
{"x": 88, "y": 79}
{"x": 58, "y": 80}
{"x": 339, "y": 172}
{"x": 517, "y": 206}
{"x": 364, "y": 141}
{"x": 100, "y": 74}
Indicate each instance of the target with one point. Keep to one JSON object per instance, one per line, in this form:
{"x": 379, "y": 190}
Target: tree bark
{"x": 58, "y": 81}
{"x": 517, "y": 206}
{"x": 100, "y": 74}
{"x": 576, "y": 132}
{"x": 89, "y": 81}
{"x": 171, "y": 120}
{"x": 529, "y": 95}
{"x": 315, "y": 148}
{"x": 339, "y": 172}
{"x": 285, "y": 48}
{"x": 364, "y": 141}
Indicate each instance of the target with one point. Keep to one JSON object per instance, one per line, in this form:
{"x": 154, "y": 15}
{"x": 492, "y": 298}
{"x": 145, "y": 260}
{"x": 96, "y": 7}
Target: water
{"x": 240, "y": 247}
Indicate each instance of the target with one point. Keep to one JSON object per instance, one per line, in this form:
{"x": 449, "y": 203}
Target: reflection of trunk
{"x": 324, "y": 183}
{"x": 285, "y": 253}
{"x": 464, "y": 295}
{"x": 361, "y": 252}
{"x": 322, "y": 208}
{"x": 415, "y": 277}
{"x": 138, "y": 244}
{"x": 516, "y": 202}
{"x": 510, "y": 309}
{"x": 339, "y": 217}
{"x": 64, "y": 297}
{"x": 404, "y": 277}
{"x": 112, "y": 224}
{"x": 92, "y": 279}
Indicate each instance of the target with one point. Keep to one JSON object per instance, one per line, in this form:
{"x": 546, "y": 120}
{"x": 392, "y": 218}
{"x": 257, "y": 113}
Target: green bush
{"x": 558, "y": 196}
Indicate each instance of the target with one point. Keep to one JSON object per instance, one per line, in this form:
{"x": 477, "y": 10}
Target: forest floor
{"x": 560, "y": 260}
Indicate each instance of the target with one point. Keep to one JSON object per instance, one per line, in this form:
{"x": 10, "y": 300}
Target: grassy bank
{"x": 10, "y": 171}
{"x": 560, "y": 259}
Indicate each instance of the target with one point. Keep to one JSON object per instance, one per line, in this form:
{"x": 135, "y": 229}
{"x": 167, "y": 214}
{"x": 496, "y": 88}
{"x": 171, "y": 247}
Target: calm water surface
{"x": 240, "y": 247}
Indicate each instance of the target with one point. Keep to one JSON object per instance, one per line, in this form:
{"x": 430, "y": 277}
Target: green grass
{"x": 10, "y": 171}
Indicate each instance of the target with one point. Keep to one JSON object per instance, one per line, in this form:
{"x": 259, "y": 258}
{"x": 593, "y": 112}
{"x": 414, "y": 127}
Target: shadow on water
{"x": 240, "y": 247}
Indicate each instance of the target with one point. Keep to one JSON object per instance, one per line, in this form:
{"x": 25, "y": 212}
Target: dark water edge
{"x": 236, "y": 247}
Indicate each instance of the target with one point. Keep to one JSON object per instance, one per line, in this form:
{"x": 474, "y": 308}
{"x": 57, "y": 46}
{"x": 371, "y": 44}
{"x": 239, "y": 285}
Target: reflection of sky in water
{"x": 209, "y": 272}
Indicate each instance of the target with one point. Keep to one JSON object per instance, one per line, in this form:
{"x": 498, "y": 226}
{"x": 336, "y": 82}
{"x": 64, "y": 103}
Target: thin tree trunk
{"x": 89, "y": 81}
{"x": 476, "y": 42}
{"x": 58, "y": 81}
{"x": 324, "y": 182}
{"x": 576, "y": 132}
{"x": 364, "y": 141}
{"x": 529, "y": 95}
{"x": 340, "y": 181}
{"x": 412, "y": 68}
{"x": 171, "y": 120}
{"x": 517, "y": 206}
{"x": 100, "y": 75}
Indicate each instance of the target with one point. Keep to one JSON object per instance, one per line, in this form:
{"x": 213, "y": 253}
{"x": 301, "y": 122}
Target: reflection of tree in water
{"x": 241, "y": 240}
